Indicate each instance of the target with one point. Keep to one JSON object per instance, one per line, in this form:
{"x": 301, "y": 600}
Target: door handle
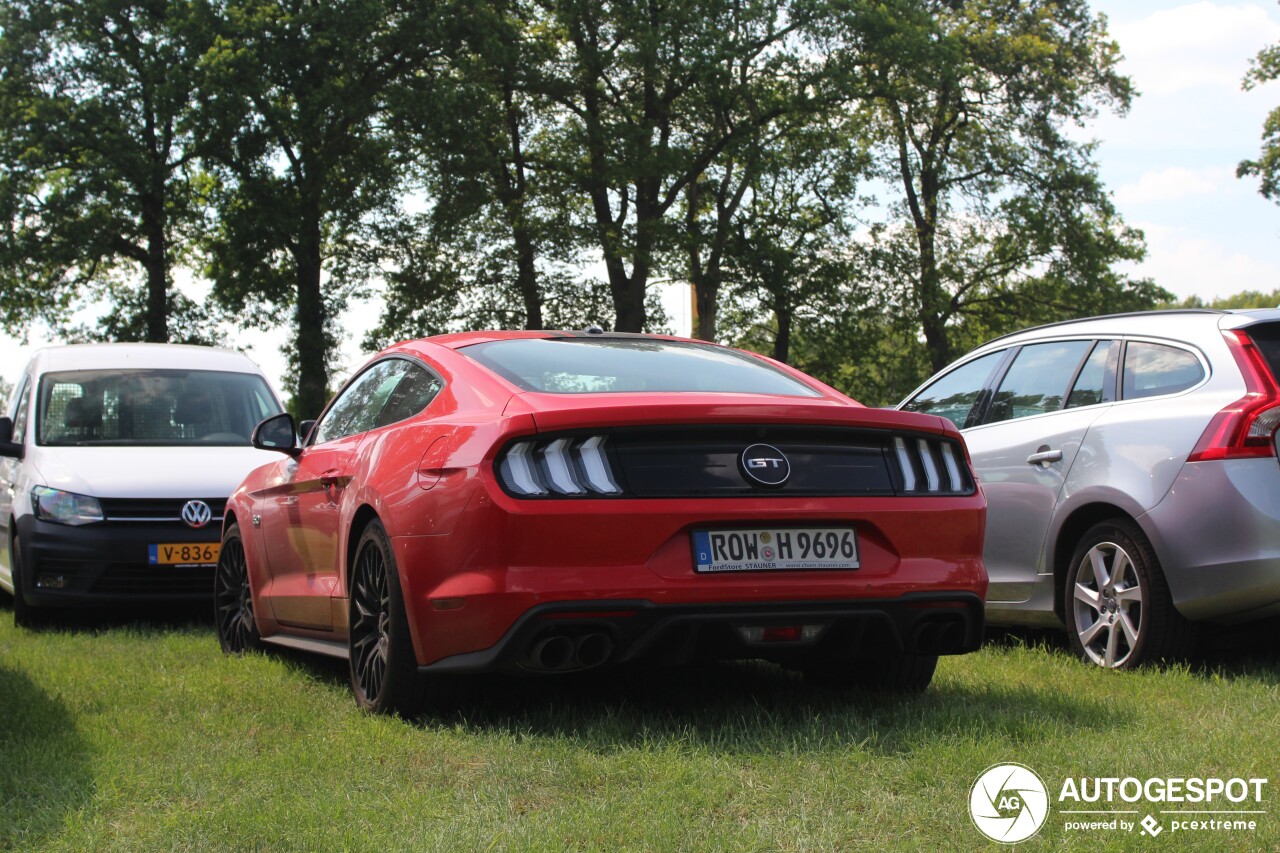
{"x": 329, "y": 478}
{"x": 1044, "y": 456}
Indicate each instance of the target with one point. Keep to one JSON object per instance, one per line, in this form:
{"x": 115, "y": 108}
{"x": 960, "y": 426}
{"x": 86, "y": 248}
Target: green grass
{"x": 138, "y": 736}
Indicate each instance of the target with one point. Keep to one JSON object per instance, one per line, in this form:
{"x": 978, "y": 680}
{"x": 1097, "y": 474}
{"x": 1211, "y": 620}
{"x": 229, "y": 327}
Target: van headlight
{"x": 65, "y": 507}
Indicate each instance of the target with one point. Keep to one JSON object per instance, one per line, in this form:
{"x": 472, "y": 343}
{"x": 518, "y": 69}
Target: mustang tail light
{"x": 561, "y": 466}
{"x": 1245, "y": 428}
{"x": 931, "y": 466}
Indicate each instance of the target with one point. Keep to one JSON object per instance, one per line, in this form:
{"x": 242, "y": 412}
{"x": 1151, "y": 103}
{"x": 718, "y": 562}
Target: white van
{"x": 116, "y": 462}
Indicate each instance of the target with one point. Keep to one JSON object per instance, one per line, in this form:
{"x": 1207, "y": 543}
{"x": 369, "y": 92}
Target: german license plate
{"x": 184, "y": 553}
{"x": 785, "y": 548}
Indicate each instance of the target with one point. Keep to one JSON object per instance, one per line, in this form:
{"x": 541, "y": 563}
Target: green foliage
{"x": 865, "y": 188}
{"x": 998, "y": 218}
{"x": 305, "y": 166}
{"x": 1264, "y": 68}
{"x": 95, "y": 136}
{"x": 1244, "y": 299}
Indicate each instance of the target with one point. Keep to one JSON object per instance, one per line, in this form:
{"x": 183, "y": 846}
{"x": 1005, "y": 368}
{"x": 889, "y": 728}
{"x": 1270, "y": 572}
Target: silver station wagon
{"x": 1131, "y": 474}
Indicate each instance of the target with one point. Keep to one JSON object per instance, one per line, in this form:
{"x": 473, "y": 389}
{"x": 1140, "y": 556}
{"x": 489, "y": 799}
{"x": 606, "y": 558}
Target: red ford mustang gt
{"x": 549, "y": 502}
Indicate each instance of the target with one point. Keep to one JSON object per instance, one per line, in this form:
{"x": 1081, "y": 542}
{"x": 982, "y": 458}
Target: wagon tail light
{"x": 560, "y": 466}
{"x": 1244, "y": 429}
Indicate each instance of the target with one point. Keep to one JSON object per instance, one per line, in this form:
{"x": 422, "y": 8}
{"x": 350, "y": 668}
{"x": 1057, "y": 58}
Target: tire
{"x": 232, "y": 599}
{"x": 384, "y": 669}
{"x": 24, "y": 614}
{"x": 897, "y": 673}
{"x": 1116, "y": 602}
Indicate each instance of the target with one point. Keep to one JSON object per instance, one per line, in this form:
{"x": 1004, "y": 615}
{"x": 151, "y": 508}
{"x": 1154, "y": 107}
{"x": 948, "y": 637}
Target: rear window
{"x": 151, "y": 407}
{"x": 1266, "y": 336}
{"x": 613, "y": 365}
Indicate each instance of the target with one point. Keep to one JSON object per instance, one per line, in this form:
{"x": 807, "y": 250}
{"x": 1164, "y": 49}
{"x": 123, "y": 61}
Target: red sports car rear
{"x": 550, "y": 502}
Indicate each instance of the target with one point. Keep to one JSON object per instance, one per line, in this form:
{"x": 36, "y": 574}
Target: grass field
{"x": 135, "y": 735}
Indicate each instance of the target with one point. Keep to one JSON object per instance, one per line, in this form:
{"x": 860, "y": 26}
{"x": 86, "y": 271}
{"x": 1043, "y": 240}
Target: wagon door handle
{"x": 1044, "y": 456}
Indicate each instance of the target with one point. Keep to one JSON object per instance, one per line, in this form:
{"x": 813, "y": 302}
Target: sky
{"x": 1170, "y": 162}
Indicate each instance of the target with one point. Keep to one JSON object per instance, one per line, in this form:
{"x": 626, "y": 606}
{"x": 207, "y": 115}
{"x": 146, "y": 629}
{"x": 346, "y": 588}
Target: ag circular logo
{"x": 765, "y": 465}
{"x": 196, "y": 514}
{"x": 1009, "y": 803}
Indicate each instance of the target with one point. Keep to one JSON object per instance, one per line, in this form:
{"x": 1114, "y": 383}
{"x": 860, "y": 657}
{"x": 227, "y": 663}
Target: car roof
{"x": 1161, "y": 323}
{"x": 144, "y": 356}
{"x": 457, "y": 340}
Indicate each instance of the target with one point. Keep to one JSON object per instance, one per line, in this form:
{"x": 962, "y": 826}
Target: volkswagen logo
{"x": 764, "y": 465}
{"x": 196, "y": 514}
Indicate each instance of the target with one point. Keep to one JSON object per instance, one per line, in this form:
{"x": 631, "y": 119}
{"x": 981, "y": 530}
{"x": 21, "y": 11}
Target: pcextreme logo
{"x": 1009, "y": 803}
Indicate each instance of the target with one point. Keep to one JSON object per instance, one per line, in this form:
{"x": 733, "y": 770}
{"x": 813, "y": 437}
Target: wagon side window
{"x": 1038, "y": 380}
{"x": 1151, "y": 370}
{"x": 954, "y": 394}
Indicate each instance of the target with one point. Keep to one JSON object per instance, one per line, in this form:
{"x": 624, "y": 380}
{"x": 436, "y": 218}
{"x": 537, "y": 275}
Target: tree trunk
{"x": 156, "y": 266}
{"x": 782, "y": 342}
{"x": 514, "y": 187}
{"x": 527, "y": 276}
{"x": 311, "y": 343}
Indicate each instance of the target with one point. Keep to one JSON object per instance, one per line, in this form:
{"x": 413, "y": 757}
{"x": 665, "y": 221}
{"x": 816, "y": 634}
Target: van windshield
{"x": 151, "y": 407}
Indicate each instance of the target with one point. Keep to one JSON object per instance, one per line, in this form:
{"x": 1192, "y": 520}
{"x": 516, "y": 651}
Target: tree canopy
{"x": 862, "y": 187}
{"x": 97, "y": 180}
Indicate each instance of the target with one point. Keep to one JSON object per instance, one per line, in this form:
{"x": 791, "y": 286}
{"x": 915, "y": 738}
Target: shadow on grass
{"x": 159, "y": 616}
{"x": 757, "y": 708}
{"x": 737, "y": 707}
{"x": 44, "y": 763}
{"x": 1247, "y": 651}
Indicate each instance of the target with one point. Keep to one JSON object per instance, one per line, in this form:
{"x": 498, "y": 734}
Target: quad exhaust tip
{"x": 940, "y": 636}
{"x": 561, "y": 653}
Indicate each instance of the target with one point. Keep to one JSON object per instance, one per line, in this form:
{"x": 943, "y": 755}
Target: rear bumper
{"x": 108, "y": 563}
{"x": 1217, "y": 532}
{"x": 918, "y": 623}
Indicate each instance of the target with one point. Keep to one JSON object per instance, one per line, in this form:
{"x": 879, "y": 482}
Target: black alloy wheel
{"x": 384, "y": 669}
{"x": 232, "y": 599}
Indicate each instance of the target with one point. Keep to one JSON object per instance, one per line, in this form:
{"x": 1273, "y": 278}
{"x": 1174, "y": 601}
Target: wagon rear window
{"x": 613, "y": 365}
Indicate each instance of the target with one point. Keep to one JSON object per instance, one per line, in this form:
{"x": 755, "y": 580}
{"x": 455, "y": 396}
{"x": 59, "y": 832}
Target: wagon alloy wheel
{"x": 1109, "y": 605}
{"x": 232, "y": 600}
{"x": 384, "y": 668}
{"x": 1118, "y": 609}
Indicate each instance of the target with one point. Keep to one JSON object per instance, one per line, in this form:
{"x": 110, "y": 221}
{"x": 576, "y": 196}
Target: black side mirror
{"x": 304, "y": 429}
{"x": 8, "y": 447}
{"x": 276, "y": 433}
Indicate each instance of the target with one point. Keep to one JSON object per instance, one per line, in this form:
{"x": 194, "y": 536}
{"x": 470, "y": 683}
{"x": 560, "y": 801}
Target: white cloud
{"x": 1186, "y": 264}
{"x": 1199, "y": 44}
{"x": 1173, "y": 184}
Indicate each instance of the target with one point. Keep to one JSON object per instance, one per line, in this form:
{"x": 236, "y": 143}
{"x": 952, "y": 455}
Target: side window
{"x": 20, "y": 414}
{"x": 415, "y": 391}
{"x": 1090, "y": 386}
{"x": 952, "y": 396}
{"x": 1038, "y": 379}
{"x": 389, "y": 391}
{"x": 1154, "y": 369}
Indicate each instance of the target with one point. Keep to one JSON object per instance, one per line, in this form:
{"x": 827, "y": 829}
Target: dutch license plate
{"x": 778, "y": 549}
{"x": 184, "y": 553}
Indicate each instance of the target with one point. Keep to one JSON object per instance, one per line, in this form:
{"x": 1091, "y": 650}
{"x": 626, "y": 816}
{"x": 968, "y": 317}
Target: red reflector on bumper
{"x": 782, "y": 634}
